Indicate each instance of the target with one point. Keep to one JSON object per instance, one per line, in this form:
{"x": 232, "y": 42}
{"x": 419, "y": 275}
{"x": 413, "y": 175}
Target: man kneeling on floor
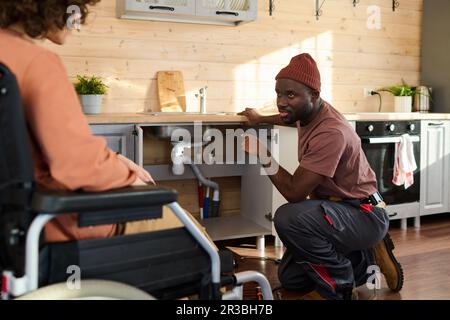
{"x": 335, "y": 226}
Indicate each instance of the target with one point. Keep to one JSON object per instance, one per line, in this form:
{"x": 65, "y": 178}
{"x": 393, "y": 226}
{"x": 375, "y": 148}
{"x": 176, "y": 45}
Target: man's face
{"x": 295, "y": 101}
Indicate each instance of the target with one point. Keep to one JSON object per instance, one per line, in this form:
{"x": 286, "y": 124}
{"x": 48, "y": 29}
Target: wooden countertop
{"x": 111, "y": 118}
{"x": 116, "y": 118}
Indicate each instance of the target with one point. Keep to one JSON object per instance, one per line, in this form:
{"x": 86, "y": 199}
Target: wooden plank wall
{"x": 239, "y": 63}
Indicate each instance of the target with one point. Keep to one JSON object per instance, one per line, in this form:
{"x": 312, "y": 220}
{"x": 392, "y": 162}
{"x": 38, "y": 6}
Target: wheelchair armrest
{"x": 52, "y": 201}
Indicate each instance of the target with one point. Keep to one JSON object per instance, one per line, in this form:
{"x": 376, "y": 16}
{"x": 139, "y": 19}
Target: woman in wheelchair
{"x": 65, "y": 154}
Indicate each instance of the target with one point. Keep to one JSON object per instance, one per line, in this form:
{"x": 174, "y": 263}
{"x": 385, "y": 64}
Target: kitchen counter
{"x": 111, "y": 118}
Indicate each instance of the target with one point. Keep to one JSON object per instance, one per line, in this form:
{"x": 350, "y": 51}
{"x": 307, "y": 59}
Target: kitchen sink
{"x": 218, "y": 113}
{"x": 168, "y": 131}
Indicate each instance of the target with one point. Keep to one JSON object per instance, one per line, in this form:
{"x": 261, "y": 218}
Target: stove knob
{"x": 411, "y": 127}
{"x": 391, "y": 127}
{"x": 370, "y": 128}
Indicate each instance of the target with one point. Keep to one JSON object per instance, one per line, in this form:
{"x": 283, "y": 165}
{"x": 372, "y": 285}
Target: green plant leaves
{"x": 90, "y": 85}
{"x": 401, "y": 90}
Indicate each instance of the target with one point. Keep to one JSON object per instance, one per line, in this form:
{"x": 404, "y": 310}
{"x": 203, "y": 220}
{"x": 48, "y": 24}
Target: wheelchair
{"x": 167, "y": 264}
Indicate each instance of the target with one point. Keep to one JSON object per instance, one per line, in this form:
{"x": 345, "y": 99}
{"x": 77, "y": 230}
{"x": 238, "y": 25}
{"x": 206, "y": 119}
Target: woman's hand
{"x": 142, "y": 174}
{"x": 139, "y": 182}
{"x": 253, "y": 117}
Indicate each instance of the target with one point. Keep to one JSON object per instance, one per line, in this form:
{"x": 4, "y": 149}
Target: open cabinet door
{"x": 139, "y": 143}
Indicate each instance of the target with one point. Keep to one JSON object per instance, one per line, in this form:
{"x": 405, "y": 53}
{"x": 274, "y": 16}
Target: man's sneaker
{"x": 389, "y": 266}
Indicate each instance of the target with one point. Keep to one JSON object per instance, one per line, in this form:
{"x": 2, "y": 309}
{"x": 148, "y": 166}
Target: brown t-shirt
{"x": 65, "y": 154}
{"x": 329, "y": 146}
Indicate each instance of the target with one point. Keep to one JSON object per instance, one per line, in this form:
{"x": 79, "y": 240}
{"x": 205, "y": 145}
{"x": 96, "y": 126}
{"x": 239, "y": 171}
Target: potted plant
{"x": 91, "y": 91}
{"x": 403, "y": 94}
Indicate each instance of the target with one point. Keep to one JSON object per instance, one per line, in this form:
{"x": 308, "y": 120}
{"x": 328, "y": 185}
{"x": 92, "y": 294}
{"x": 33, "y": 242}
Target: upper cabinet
{"x": 221, "y": 12}
{"x": 228, "y": 10}
{"x": 154, "y": 9}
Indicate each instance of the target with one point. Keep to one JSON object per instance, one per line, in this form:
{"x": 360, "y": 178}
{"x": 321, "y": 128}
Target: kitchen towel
{"x": 405, "y": 164}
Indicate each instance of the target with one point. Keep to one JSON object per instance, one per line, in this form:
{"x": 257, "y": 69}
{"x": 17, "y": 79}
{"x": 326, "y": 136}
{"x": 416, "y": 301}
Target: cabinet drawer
{"x": 405, "y": 210}
{"x": 119, "y": 138}
{"x": 145, "y": 8}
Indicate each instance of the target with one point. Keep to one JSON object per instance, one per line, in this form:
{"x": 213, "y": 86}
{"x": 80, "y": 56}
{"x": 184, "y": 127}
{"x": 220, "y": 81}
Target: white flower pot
{"x": 91, "y": 103}
{"x": 403, "y": 104}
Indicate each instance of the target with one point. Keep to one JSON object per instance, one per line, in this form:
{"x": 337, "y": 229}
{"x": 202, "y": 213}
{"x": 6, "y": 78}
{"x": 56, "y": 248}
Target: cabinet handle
{"x": 228, "y": 12}
{"x": 436, "y": 124}
{"x": 392, "y": 215}
{"x": 161, "y": 8}
{"x": 387, "y": 139}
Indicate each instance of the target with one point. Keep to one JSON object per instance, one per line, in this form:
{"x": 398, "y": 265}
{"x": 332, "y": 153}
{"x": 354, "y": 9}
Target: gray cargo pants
{"x": 328, "y": 244}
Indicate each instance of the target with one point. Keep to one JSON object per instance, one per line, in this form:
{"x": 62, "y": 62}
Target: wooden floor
{"x": 424, "y": 254}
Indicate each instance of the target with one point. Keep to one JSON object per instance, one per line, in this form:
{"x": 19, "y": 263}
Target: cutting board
{"x": 171, "y": 94}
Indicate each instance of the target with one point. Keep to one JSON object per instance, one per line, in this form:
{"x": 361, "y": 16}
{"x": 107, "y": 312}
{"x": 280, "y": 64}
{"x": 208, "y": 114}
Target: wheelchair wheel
{"x": 89, "y": 290}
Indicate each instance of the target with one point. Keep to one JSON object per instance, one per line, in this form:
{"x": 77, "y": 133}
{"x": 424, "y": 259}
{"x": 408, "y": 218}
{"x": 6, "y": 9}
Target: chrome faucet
{"x": 202, "y": 95}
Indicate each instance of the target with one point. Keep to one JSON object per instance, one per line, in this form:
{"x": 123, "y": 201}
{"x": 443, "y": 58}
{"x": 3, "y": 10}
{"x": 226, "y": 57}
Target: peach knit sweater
{"x": 65, "y": 154}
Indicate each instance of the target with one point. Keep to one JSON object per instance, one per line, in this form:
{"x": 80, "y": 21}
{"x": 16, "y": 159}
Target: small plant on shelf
{"x": 90, "y": 85}
{"x": 91, "y": 91}
{"x": 403, "y": 94}
{"x": 401, "y": 90}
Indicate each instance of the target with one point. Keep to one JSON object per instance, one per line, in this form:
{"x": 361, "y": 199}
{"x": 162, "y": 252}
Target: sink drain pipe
{"x": 179, "y": 159}
{"x": 208, "y": 183}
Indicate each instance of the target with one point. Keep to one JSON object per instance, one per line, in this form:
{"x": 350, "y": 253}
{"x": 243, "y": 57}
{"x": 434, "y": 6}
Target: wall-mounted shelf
{"x": 223, "y": 12}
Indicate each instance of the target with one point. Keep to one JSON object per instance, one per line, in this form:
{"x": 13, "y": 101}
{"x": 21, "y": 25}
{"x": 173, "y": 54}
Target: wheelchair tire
{"x": 89, "y": 290}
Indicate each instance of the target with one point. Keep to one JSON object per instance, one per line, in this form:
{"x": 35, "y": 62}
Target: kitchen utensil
{"x": 171, "y": 94}
{"x": 421, "y": 101}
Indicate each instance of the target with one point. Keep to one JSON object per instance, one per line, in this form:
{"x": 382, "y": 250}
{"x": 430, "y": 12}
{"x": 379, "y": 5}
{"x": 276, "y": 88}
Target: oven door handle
{"x": 379, "y": 140}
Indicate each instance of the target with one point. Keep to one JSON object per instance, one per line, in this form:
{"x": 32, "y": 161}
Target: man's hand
{"x": 142, "y": 174}
{"x": 253, "y": 146}
{"x": 253, "y": 117}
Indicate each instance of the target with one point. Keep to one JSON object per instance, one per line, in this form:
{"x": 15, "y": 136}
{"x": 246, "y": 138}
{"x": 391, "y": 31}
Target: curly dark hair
{"x": 39, "y": 16}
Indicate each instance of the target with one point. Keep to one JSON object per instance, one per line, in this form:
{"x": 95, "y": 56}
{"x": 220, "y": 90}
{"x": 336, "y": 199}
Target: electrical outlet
{"x": 367, "y": 92}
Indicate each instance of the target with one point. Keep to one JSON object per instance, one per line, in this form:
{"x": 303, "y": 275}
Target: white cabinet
{"x": 249, "y": 222}
{"x": 228, "y": 10}
{"x": 221, "y": 12}
{"x": 143, "y": 9}
{"x": 119, "y": 138}
{"x": 260, "y": 199}
{"x": 435, "y": 167}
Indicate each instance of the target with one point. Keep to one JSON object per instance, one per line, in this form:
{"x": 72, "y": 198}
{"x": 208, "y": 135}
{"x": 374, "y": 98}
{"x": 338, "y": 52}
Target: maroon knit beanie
{"x": 303, "y": 69}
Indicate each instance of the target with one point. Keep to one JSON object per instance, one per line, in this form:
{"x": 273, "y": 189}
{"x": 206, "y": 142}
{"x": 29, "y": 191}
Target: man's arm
{"x": 274, "y": 119}
{"x": 296, "y": 187}
{"x": 254, "y": 118}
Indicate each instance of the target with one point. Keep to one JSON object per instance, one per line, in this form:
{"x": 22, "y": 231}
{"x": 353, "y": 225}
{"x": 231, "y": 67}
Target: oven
{"x": 378, "y": 139}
